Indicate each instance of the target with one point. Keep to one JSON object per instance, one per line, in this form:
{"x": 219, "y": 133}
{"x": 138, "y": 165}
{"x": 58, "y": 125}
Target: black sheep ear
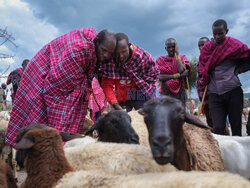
{"x": 25, "y": 143}
{"x": 69, "y": 136}
{"x": 141, "y": 111}
{"x": 189, "y": 118}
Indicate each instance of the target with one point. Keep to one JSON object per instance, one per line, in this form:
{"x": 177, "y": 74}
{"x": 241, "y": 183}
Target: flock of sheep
{"x": 176, "y": 150}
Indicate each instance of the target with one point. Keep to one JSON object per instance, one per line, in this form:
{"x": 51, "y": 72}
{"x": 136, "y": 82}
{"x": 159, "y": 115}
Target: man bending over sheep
{"x": 133, "y": 72}
{"x": 55, "y": 86}
{"x": 220, "y": 62}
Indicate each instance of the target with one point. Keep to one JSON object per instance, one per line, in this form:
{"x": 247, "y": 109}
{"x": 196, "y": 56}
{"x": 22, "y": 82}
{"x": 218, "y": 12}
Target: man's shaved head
{"x": 105, "y": 44}
{"x": 220, "y": 22}
{"x": 170, "y": 40}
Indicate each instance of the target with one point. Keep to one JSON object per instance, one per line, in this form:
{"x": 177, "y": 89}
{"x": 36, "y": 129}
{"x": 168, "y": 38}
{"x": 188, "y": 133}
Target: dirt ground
{"x": 21, "y": 175}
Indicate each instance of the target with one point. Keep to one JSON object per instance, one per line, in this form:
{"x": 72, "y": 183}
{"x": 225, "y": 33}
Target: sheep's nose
{"x": 161, "y": 141}
{"x": 134, "y": 140}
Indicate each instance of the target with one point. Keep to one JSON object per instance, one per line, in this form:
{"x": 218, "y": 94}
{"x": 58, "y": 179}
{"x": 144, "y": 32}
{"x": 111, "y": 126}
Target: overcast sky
{"x": 148, "y": 23}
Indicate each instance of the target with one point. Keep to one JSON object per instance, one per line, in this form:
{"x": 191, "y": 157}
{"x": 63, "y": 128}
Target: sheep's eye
{"x": 95, "y": 134}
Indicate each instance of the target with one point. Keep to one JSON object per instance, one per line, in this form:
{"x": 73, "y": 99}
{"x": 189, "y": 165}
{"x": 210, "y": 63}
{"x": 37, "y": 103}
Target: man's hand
{"x": 117, "y": 106}
{"x": 176, "y": 49}
{"x": 185, "y": 73}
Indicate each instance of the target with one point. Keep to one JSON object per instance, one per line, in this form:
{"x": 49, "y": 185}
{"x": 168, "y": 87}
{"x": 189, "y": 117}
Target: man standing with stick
{"x": 173, "y": 68}
{"x": 220, "y": 62}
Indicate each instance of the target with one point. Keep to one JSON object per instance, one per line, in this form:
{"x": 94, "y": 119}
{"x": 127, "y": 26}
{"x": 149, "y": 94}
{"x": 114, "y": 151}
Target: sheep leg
{"x": 14, "y": 163}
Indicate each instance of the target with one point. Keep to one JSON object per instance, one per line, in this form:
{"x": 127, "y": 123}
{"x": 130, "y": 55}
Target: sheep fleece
{"x": 154, "y": 180}
{"x": 114, "y": 158}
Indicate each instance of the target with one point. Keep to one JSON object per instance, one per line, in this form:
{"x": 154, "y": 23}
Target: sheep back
{"x": 149, "y": 180}
{"x": 140, "y": 127}
{"x": 114, "y": 158}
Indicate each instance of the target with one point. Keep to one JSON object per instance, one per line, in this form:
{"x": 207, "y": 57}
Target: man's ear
{"x": 141, "y": 111}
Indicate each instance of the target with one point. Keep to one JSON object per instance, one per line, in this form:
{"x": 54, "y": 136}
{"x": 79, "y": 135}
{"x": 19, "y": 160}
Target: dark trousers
{"x": 208, "y": 115}
{"x": 231, "y": 104}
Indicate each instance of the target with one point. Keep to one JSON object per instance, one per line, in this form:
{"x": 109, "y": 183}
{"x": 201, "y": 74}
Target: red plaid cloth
{"x": 167, "y": 65}
{"x": 212, "y": 54}
{"x": 54, "y": 86}
{"x": 141, "y": 68}
{"x": 100, "y": 98}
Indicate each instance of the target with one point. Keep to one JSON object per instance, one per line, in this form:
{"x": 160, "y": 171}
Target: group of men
{"x": 56, "y": 83}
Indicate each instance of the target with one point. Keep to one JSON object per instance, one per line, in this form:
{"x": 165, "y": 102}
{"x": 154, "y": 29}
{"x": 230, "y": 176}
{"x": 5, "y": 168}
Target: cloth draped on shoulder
{"x": 212, "y": 54}
{"x": 54, "y": 87}
{"x": 167, "y": 65}
{"x": 141, "y": 68}
{"x": 98, "y": 99}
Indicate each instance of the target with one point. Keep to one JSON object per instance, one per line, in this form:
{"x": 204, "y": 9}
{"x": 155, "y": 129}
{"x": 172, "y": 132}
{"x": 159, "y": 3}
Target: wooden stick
{"x": 202, "y": 101}
{"x": 190, "y": 99}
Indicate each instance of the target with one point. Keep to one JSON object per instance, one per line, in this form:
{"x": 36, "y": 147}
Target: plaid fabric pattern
{"x": 212, "y": 54}
{"x": 100, "y": 98}
{"x": 54, "y": 87}
{"x": 141, "y": 68}
{"x": 167, "y": 65}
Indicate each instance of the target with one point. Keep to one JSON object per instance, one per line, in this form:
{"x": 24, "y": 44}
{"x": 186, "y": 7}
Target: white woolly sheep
{"x": 80, "y": 142}
{"x": 114, "y": 158}
{"x": 5, "y": 150}
{"x": 235, "y": 151}
{"x": 5, "y": 115}
{"x": 153, "y": 180}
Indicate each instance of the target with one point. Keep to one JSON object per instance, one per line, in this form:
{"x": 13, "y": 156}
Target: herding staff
{"x": 190, "y": 99}
{"x": 202, "y": 101}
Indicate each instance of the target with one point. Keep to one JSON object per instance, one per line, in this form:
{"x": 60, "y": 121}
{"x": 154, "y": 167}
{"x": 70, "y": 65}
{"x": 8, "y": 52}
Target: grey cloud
{"x": 146, "y": 26}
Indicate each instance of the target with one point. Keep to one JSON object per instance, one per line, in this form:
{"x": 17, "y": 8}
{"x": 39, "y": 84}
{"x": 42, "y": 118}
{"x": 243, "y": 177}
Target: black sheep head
{"x": 115, "y": 127}
{"x": 164, "y": 118}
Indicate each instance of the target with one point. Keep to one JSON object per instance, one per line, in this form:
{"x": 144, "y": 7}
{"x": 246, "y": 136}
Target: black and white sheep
{"x": 164, "y": 118}
{"x": 115, "y": 126}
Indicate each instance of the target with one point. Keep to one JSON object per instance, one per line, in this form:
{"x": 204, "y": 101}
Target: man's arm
{"x": 108, "y": 89}
{"x": 166, "y": 77}
{"x": 180, "y": 66}
{"x": 243, "y": 66}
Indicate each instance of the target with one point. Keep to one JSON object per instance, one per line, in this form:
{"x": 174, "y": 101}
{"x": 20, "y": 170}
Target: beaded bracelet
{"x": 177, "y": 75}
{"x": 178, "y": 57}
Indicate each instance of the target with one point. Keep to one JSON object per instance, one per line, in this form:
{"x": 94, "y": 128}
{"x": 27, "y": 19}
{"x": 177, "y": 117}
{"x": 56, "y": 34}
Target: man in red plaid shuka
{"x": 173, "y": 68}
{"x": 134, "y": 74}
{"x": 220, "y": 62}
{"x": 55, "y": 86}
{"x": 15, "y": 78}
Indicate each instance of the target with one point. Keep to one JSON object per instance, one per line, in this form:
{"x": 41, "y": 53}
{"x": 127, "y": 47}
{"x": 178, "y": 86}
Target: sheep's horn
{"x": 189, "y": 118}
